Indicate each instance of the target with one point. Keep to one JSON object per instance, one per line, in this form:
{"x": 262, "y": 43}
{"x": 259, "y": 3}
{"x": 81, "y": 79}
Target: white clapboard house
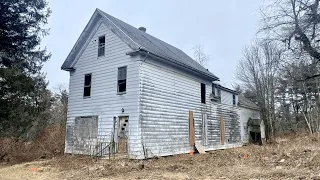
{"x": 142, "y": 96}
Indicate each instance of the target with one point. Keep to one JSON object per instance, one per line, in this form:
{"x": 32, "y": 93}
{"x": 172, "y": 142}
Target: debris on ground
{"x": 295, "y": 157}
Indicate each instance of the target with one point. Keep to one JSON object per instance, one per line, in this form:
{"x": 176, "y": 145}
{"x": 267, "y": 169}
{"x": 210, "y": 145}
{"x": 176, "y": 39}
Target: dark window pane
{"x": 203, "y": 93}
{"x": 101, "y": 46}
{"x": 234, "y": 99}
{"x": 122, "y": 86}
{"x": 219, "y": 92}
{"x": 122, "y": 73}
{"x": 122, "y": 79}
{"x": 87, "y": 91}
{"x": 101, "y": 51}
{"x": 87, "y": 80}
{"x": 102, "y": 40}
{"x": 213, "y": 89}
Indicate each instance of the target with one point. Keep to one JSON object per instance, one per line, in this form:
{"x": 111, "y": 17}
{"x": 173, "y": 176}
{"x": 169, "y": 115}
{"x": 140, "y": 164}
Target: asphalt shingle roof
{"x": 244, "y": 102}
{"x": 139, "y": 40}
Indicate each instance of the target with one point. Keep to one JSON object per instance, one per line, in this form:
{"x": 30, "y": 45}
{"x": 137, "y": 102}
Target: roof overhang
{"x": 142, "y": 51}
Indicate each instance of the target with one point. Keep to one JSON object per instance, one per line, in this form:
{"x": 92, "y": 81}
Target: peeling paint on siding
{"x": 166, "y": 97}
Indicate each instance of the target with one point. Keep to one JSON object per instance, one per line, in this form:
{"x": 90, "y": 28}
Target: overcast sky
{"x": 222, "y": 27}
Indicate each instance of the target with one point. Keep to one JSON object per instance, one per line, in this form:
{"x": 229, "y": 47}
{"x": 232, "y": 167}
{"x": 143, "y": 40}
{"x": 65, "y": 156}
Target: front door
{"x": 123, "y": 134}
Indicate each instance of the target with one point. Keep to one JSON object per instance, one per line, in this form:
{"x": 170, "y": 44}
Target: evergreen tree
{"x": 23, "y": 93}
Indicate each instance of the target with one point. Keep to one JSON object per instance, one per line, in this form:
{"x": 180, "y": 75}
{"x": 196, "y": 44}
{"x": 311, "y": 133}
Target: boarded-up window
{"x": 87, "y": 85}
{"x": 101, "y": 46}
{"x": 203, "y": 93}
{"x": 85, "y": 134}
{"x": 122, "y": 79}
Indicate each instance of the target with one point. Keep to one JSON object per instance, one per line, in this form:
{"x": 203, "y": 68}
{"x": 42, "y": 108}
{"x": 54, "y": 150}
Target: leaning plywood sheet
{"x": 200, "y": 148}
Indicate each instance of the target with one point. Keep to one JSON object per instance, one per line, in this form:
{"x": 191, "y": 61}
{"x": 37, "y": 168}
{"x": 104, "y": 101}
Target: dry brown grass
{"x": 50, "y": 143}
{"x": 288, "y": 157}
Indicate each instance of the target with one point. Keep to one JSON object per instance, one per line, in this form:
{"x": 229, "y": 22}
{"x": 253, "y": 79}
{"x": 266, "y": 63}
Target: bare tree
{"x": 296, "y": 24}
{"x": 257, "y": 71}
{"x": 200, "y": 56}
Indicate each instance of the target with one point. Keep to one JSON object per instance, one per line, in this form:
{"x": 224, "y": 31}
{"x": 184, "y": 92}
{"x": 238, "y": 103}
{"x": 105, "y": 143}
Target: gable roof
{"x": 244, "y": 102}
{"x": 138, "y": 41}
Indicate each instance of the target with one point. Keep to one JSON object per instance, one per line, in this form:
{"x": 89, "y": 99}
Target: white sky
{"x": 222, "y": 27}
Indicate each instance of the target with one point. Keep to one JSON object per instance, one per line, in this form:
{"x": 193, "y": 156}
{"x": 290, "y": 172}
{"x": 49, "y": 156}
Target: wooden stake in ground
{"x": 222, "y": 130}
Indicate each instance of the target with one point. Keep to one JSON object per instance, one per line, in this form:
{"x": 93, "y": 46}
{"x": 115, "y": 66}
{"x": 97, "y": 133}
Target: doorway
{"x": 122, "y": 134}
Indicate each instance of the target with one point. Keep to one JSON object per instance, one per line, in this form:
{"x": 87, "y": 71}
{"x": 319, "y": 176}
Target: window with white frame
{"x": 87, "y": 85}
{"x": 101, "y": 46}
{"x": 122, "y": 80}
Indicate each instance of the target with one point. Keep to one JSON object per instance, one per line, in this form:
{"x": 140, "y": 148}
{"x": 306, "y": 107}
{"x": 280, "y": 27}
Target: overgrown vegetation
{"x": 32, "y": 118}
{"x": 280, "y": 71}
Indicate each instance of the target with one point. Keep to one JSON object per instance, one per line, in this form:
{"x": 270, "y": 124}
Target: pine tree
{"x": 23, "y": 93}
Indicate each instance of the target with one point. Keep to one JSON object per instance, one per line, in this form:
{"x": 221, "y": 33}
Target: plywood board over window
{"x": 85, "y": 134}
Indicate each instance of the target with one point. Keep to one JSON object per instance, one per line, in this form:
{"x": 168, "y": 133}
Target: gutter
{"x": 175, "y": 62}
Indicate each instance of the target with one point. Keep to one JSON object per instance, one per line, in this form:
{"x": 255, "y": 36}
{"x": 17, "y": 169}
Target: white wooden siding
{"x": 167, "y": 95}
{"x": 227, "y": 97}
{"x": 104, "y": 101}
{"x": 245, "y": 114}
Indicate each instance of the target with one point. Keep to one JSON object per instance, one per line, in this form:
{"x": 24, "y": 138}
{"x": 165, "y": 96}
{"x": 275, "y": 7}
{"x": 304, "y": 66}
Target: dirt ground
{"x": 290, "y": 157}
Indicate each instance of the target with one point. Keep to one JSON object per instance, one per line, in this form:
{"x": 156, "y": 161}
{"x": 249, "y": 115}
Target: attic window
{"x": 203, "y": 93}
{"x": 122, "y": 80}
{"x": 87, "y": 85}
{"x": 233, "y": 99}
{"x": 101, "y": 46}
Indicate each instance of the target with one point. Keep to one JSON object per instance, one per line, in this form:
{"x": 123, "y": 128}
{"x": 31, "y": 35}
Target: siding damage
{"x": 166, "y": 97}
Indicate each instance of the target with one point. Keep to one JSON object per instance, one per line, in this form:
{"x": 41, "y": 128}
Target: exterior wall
{"x": 227, "y": 98}
{"x": 104, "y": 101}
{"x": 245, "y": 114}
{"x": 167, "y": 95}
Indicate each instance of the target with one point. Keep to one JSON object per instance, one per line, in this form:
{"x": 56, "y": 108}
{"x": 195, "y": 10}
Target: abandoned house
{"x": 142, "y": 96}
{"x": 252, "y": 127}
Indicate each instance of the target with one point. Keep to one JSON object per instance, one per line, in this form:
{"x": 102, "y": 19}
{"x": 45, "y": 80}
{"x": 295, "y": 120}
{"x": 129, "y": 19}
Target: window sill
{"x": 121, "y": 93}
{"x": 86, "y": 97}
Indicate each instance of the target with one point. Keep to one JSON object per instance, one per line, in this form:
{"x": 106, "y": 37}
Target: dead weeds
{"x": 288, "y": 157}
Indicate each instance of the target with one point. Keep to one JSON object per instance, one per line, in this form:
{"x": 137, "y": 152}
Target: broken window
{"x": 122, "y": 79}
{"x": 101, "y": 46}
{"x": 87, "y": 85}
{"x": 233, "y": 99}
{"x": 203, "y": 93}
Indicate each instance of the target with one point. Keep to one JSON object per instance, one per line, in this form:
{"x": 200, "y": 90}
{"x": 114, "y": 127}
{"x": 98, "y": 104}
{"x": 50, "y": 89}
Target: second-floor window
{"x": 87, "y": 85}
{"x": 203, "y": 93}
{"x": 101, "y": 46}
{"x": 233, "y": 99}
{"x": 122, "y": 80}
{"x": 213, "y": 89}
{"x": 218, "y": 92}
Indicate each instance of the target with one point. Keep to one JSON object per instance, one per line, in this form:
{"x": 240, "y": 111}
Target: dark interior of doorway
{"x": 255, "y": 138}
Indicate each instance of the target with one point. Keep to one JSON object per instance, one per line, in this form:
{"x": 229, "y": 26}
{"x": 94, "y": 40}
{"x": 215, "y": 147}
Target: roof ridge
{"x": 103, "y": 14}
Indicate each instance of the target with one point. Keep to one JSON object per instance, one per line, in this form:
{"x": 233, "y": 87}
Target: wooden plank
{"x": 200, "y": 148}
{"x": 222, "y": 130}
{"x": 191, "y": 129}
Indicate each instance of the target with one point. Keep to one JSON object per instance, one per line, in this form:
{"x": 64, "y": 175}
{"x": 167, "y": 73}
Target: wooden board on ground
{"x": 200, "y": 148}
